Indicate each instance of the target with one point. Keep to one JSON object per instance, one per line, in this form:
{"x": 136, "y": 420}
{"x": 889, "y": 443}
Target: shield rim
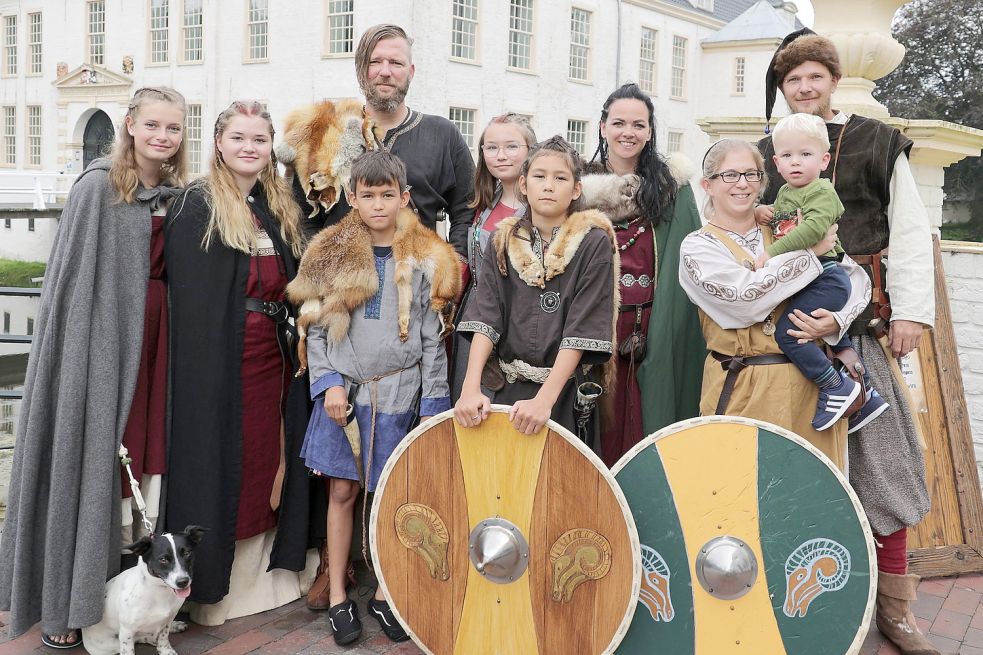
{"x": 606, "y": 474}
{"x": 679, "y": 426}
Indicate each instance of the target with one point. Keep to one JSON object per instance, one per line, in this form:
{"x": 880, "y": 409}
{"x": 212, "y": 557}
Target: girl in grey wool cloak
{"x": 92, "y": 357}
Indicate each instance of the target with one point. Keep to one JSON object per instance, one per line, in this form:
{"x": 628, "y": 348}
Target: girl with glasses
{"x": 503, "y": 147}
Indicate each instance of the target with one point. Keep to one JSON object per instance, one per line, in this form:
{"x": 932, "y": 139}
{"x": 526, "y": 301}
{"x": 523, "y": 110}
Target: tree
{"x": 941, "y": 77}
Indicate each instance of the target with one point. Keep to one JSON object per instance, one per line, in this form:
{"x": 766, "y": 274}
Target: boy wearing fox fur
{"x": 377, "y": 283}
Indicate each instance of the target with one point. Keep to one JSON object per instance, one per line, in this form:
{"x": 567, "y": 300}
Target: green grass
{"x": 959, "y": 232}
{"x": 18, "y": 274}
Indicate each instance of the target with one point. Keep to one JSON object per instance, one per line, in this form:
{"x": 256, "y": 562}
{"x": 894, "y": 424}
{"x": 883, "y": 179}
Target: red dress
{"x": 637, "y": 286}
{"x": 144, "y": 434}
{"x": 265, "y": 376}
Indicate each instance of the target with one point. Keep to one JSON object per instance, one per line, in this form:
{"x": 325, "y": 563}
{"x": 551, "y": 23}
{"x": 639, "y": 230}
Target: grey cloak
{"x": 61, "y": 539}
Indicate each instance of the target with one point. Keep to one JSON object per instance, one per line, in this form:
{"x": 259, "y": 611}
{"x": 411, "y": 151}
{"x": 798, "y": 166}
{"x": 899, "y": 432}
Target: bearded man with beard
{"x": 439, "y": 167}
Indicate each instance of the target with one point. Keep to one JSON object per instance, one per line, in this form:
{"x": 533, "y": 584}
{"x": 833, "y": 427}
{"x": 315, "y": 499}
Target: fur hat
{"x": 796, "y": 49}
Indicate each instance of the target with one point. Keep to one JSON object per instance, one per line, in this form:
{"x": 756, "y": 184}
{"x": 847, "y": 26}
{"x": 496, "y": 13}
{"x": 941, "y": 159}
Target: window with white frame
{"x": 34, "y": 135}
{"x": 647, "y": 60}
{"x": 464, "y": 29}
{"x": 192, "y": 35}
{"x": 96, "y": 32}
{"x": 10, "y": 45}
{"x": 678, "y": 89}
{"x": 341, "y": 27}
{"x": 577, "y": 135}
{"x": 579, "y": 44}
{"x": 464, "y": 120}
{"x": 258, "y": 30}
{"x": 740, "y": 63}
{"x": 674, "y": 142}
{"x": 520, "y": 34}
{"x": 159, "y": 19}
{"x": 34, "y": 43}
{"x": 192, "y": 133}
{"x": 10, "y": 135}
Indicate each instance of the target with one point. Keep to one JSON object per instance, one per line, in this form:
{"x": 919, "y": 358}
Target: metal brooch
{"x": 549, "y": 301}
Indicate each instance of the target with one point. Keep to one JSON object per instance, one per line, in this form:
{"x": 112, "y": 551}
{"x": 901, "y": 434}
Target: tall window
{"x": 34, "y": 43}
{"x": 258, "y": 30}
{"x": 341, "y": 27}
{"x": 34, "y": 135}
{"x": 647, "y": 60}
{"x": 159, "y": 19}
{"x": 193, "y": 136}
{"x": 675, "y": 142}
{"x": 577, "y": 135}
{"x": 740, "y": 63}
{"x": 464, "y": 29}
{"x": 579, "y": 44}
{"x": 10, "y": 45}
{"x": 520, "y": 34}
{"x": 464, "y": 120}
{"x": 191, "y": 31}
{"x": 97, "y": 32}
{"x": 10, "y": 135}
{"x": 678, "y": 89}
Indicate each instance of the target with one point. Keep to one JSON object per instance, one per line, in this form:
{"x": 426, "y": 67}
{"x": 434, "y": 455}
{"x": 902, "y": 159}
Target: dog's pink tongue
{"x": 183, "y": 593}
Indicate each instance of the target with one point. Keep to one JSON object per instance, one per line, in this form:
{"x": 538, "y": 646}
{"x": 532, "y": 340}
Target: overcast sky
{"x": 805, "y": 12}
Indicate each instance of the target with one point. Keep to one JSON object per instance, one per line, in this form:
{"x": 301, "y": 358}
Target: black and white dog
{"x": 142, "y": 601}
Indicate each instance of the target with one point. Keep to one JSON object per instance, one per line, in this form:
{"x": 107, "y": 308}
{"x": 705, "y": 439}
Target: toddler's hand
{"x": 472, "y": 408}
{"x": 336, "y": 405}
{"x": 763, "y": 214}
{"x": 529, "y": 416}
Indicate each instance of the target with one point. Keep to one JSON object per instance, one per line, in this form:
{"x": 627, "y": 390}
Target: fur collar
{"x": 517, "y": 246}
{"x": 337, "y": 274}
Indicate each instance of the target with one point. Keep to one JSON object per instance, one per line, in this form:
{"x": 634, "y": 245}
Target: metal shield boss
{"x": 752, "y": 543}
{"x": 486, "y": 540}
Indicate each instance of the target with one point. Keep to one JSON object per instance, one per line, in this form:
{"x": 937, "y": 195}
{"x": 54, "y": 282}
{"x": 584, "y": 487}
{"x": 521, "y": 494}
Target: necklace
{"x": 639, "y": 232}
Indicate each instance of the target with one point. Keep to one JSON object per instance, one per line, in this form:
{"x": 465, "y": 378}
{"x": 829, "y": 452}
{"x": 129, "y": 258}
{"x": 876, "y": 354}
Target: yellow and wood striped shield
{"x": 490, "y": 541}
{"x": 753, "y": 543}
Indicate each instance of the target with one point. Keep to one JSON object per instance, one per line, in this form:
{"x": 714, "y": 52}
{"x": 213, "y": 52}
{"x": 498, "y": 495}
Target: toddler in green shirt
{"x": 804, "y": 210}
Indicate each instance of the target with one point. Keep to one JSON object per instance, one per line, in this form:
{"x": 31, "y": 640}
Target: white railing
{"x": 33, "y": 190}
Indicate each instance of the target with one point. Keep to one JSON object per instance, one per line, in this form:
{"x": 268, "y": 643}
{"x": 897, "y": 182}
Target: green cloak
{"x": 672, "y": 372}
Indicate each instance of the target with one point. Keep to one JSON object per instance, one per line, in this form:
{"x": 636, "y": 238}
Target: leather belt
{"x": 631, "y": 308}
{"x": 274, "y": 309}
{"x": 734, "y": 364}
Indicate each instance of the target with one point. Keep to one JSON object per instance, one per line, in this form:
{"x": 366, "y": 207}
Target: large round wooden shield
{"x": 490, "y": 541}
{"x": 752, "y": 542}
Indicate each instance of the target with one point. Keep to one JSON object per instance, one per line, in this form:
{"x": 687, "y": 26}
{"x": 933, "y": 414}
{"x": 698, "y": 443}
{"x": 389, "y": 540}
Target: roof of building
{"x": 762, "y": 20}
{"x": 725, "y": 10}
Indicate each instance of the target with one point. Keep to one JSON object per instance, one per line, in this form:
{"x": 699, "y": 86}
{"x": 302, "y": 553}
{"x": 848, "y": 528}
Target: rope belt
{"x": 734, "y": 364}
{"x": 518, "y": 370}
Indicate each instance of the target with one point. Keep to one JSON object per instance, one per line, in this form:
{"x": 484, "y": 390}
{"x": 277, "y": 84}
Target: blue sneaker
{"x": 874, "y": 406}
{"x": 834, "y": 402}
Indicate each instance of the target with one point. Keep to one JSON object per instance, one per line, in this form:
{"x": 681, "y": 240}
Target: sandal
{"x": 49, "y": 640}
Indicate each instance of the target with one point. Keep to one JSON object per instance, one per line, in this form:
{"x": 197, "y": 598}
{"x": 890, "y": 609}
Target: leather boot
{"x": 894, "y": 617}
{"x": 317, "y": 597}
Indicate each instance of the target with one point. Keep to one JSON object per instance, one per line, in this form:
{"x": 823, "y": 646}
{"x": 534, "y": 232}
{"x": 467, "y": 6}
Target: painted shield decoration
{"x": 490, "y": 541}
{"x": 751, "y": 541}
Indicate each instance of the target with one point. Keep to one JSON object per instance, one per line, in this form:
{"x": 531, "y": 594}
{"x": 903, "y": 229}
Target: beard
{"x": 385, "y": 104}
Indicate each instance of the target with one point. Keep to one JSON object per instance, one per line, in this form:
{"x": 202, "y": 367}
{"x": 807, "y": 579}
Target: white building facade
{"x": 68, "y": 66}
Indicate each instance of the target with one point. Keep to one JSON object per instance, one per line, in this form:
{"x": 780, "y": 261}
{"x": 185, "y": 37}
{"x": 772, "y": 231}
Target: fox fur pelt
{"x": 320, "y": 142}
{"x": 337, "y": 274}
{"x": 614, "y": 195}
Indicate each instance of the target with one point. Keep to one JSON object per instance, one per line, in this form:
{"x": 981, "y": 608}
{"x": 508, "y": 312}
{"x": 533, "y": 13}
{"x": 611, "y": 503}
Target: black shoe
{"x": 381, "y": 612}
{"x": 345, "y": 625}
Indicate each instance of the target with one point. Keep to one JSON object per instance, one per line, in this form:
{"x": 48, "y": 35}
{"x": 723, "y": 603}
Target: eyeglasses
{"x": 511, "y": 149}
{"x": 731, "y": 177}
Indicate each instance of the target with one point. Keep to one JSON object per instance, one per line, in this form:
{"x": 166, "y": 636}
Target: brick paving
{"x": 949, "y": 610}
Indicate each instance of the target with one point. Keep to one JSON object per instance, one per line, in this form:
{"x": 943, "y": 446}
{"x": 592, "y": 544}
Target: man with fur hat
{"x": 440, "y": 170}
{"x": 872, "y": 175}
